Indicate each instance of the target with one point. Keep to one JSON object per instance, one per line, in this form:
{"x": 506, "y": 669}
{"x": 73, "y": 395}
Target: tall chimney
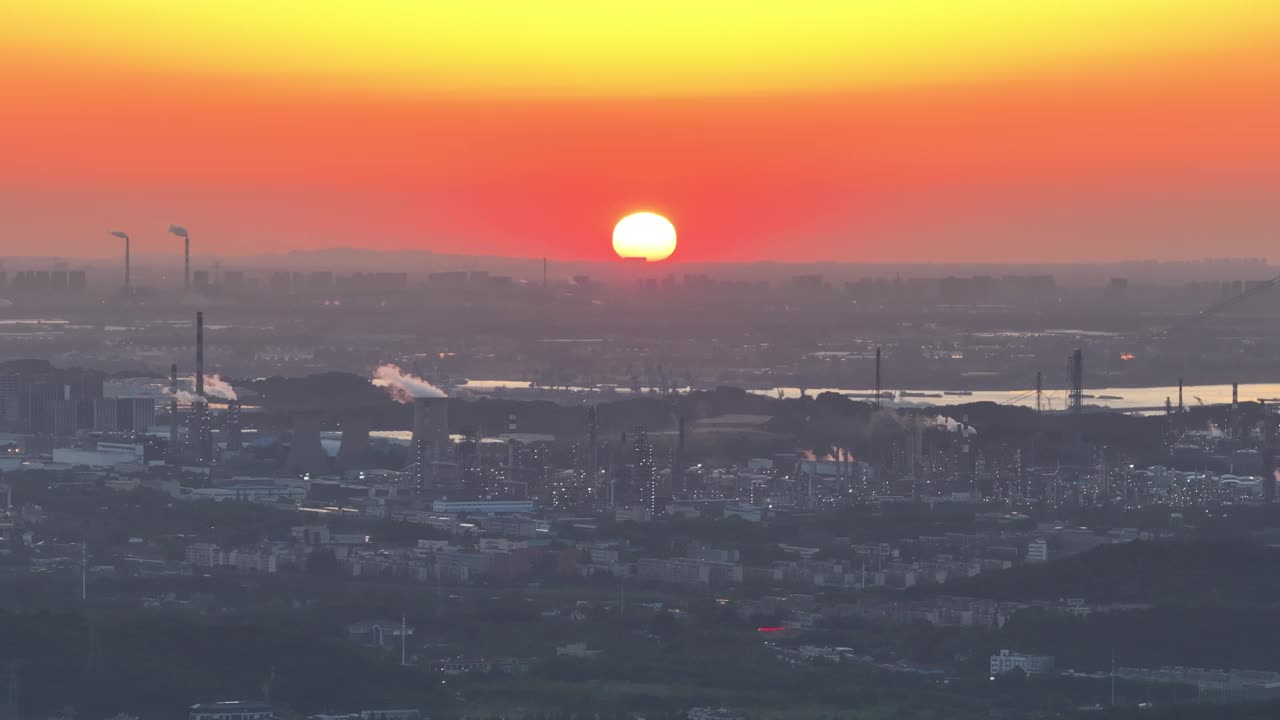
{"x": 876, "y": 401}
{"x": 173, "y": 412}
{"x": 233, "y": 425}
{"x": 200, "y": 354}
{"x": 202, "y": 430}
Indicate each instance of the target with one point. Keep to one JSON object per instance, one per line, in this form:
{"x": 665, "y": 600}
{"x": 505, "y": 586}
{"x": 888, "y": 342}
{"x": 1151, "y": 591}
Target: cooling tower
{"x": 306, "y": 454}
{"x": 354, "y": 451}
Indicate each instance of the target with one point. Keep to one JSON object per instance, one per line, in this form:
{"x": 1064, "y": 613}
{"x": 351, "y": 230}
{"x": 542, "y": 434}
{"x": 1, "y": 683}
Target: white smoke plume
{"x": 838, "y": 454}
{"x": 832, "y": 454}
{"x": 185, "y": 396}
{"x": 953, "y": 425}
{"x": 215, "y": 386}
{"x": 403, "y": 386}
{"x": 1214, "y": 430}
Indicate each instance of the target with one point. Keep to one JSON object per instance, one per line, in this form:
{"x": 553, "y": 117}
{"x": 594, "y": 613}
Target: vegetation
{"x": 1162, "y": 573}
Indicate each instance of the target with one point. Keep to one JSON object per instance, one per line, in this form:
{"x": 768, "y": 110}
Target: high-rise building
{"x": 430, "y": 444}
{"x": 644, "y": 478}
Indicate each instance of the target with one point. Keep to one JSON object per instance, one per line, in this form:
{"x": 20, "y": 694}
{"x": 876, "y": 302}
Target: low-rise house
{"x": 384, "y": 634}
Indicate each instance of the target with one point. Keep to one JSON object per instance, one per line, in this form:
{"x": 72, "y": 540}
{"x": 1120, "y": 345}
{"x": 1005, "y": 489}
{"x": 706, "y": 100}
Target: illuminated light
{"x": 770, "y": 629}
{"x": 1127, "y": 356}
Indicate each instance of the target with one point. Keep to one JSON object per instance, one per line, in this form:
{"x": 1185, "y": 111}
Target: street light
{"x": 128, "y": 287}
{"x": 186, "y": 257}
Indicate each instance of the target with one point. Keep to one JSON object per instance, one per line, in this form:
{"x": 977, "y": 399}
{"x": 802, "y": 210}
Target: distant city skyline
{"x": 926, "y": 131}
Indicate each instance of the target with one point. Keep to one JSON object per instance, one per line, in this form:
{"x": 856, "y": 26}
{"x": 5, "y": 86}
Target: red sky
{"x": 1175, "y": 158}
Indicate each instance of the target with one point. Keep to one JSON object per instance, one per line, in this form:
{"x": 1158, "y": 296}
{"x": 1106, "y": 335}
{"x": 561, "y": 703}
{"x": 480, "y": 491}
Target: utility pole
{"x": 876, "y": 402}
{"x": 1113, "y": 677}
{"x": 1039, "y": 391}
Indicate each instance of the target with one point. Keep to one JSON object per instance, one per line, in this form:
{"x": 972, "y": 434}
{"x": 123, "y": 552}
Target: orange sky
{"x": 1156, "y": 142}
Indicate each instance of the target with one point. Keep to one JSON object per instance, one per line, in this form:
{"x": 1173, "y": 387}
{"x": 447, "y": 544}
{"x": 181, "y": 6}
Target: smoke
{"x": 832, "y": 454}
{"x": 1214, "y": 431}
{"x": 215, "y": 386}
{"x": 120, "y": 234}
{"x": 953, "y": 425}
{"x": 838, "y": 454}
{"x": 185, "y": 396}
{"x": 178, "y": 230}
{"x": 403, "y": 386}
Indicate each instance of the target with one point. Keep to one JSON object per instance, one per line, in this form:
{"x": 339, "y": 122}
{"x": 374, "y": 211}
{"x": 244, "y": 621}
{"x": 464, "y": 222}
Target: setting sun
{"x": 644, "y": 235}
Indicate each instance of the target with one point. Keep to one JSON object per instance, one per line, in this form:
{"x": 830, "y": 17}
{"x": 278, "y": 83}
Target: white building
{"x": 482, "y": 507}
{"x": 248, "y": 493}
{"x": 106, "y": 455}
{"x": 1008, "y": 661}
{"x": 1038, "y": 551}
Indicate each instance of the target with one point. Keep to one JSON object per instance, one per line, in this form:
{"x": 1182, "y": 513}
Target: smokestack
{"x": 677, "y": 460}
{"x": 1270, "y": 474}
{"x": 173, "y": 413}
{"x": 876, "y": 402}
{"x": 125, "y": 236}
{"x": 1235, "y": 395}
{"x": 1179, "y": 394}
{"x": 200, "y": 354}
{"x": 1039, "y": 391}
{"x": 233, "y": 425}
{"x": 512, "y": 426}
{"x": 181, "y": 232}
{"x": 593, "y": 445}
{"x": 202, "y": 431}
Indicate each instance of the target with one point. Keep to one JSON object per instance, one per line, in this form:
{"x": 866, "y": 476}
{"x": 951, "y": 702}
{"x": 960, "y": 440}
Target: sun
{"x": 644, "y": 235}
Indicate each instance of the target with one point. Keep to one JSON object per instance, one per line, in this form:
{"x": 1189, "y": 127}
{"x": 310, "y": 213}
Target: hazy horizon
{"x": 900, "y": 132}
